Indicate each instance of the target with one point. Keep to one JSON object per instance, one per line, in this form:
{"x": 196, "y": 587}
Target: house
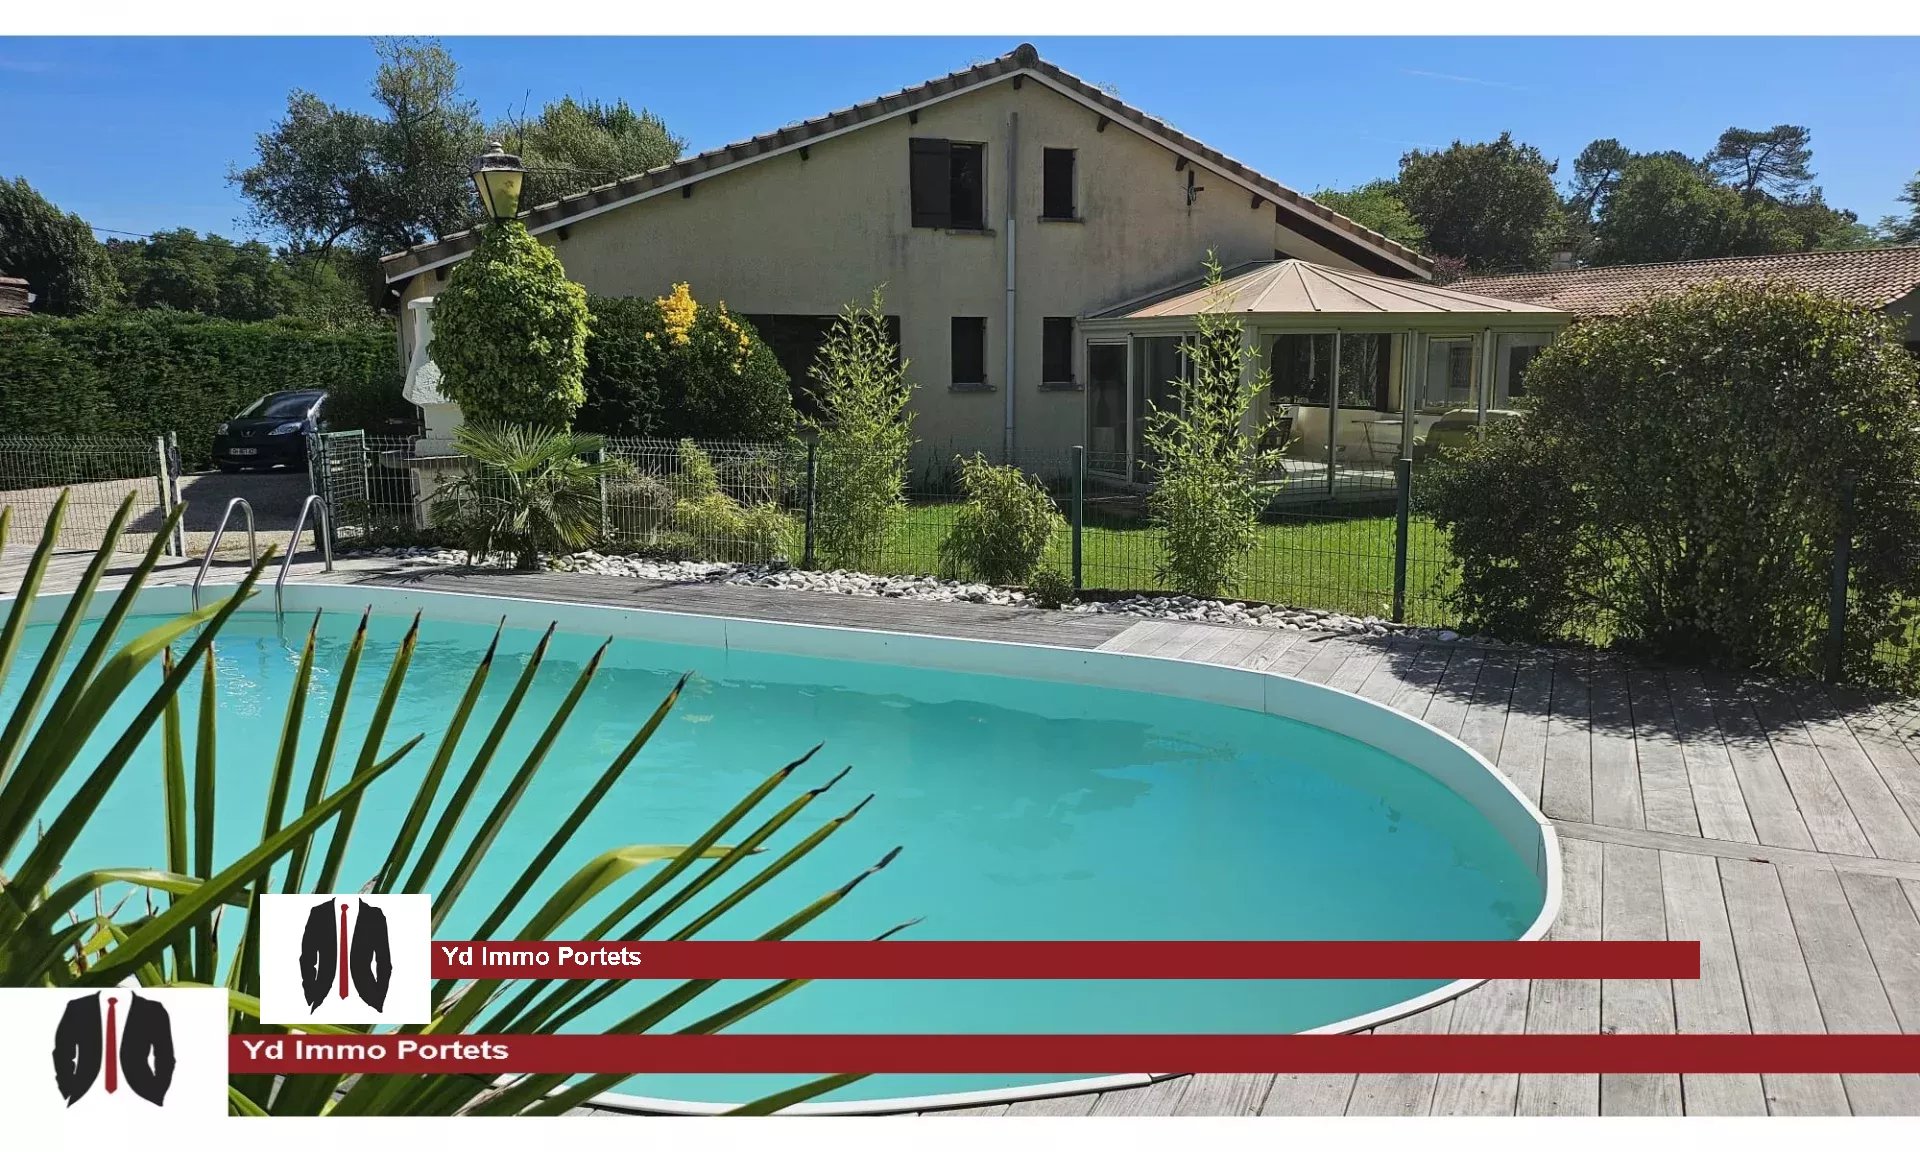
{"x": 1883, "y": 279}
{"x": 1012, "y": 211}
{"x": 14, "y": 296}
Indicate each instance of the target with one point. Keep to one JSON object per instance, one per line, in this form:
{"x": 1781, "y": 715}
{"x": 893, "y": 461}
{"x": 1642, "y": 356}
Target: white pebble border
{"x": 935, "y": 590}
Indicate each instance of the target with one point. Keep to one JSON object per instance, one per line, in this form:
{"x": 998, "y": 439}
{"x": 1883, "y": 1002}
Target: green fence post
{"x": 1402, "y": 497}
{"x": 1837, "y": 592}
{"x": 1079, "y": 506}
{"x": 806, "y": 560}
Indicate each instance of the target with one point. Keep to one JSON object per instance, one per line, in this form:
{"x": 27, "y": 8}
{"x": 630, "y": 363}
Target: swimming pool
{"x": 1039, "y": 793}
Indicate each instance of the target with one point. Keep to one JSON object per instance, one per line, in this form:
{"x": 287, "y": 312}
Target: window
{"x": 969, "y": 351}
{"x": 1302, "y": 367}
{"x": 1449, "y": 373}
{"x": 1056, "y": 350}
{"x": 1107, "y": 407}
{"x": 949, "y": 183}
{"x": 795, "y": 341}
{"x": 1364, "y": 357}
{"x": 1517, "y": 360}
{"x": 1158, "y": 362}
{"x": 1056, "y": 200}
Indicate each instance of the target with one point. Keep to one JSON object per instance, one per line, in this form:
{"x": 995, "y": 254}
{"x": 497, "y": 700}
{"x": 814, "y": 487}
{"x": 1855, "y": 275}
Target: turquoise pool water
{"x": 1027, "y": 810}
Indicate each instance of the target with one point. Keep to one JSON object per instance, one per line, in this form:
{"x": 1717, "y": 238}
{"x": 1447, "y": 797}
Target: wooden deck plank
{"x": 1633, "y": 907}
{"x": 1155, "y": 1099}
{"x": 1726, "y": 850}
{"x": 1568, "y": 1005}
{"x": 1401, "y": 1093}
{"x": 1716, "y": 1002}
{"x": 1309, "y": 1094}
{"x": 1419, "y": 677}
{"x": 1224, "y": 1094}
{"x": 1664, "y": 784}
{"x": 1324, "y": 660}
{"x": 1822, "y": 804}
{"x": 1770, "y": 800}
{"x": 1298, "y": 653}
{"x": 1891, "y": 754}
{"x": 1485, "y": 721}
{"x": 1215, "y": 637}
{"x": 1245, "y": 642}
{"x": 1453, "y": 694}
{"x": 1567, "y": 789}
{"x": 1362, "y": 659}
{"x": 1617, "y": 801}
{"x": 1523, "y": 742}
{"x": 1846, "y": 984}
{"x": 1887, "y": 921}
{"x": 1869, "y": 798}
{"x": 1498, "y": 1007}
{"x": 1080, "y": 1105}
{"x": 1718, "y": 803}
{"x": 1780, "y": 996}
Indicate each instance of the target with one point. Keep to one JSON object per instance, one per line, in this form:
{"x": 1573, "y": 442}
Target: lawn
{"x": 1339, "y": 562}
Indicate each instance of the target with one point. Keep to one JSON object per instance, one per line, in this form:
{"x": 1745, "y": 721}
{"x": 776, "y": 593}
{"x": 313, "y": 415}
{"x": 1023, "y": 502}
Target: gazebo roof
{"x": 1296, "y": 287}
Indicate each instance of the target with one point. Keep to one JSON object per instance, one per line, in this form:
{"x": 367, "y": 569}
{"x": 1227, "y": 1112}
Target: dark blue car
{"x": 270, "y": 432}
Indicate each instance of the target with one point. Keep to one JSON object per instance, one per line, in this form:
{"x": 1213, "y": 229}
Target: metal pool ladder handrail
{"x": 293, "y": 546}
{"x": 206, "y": 562}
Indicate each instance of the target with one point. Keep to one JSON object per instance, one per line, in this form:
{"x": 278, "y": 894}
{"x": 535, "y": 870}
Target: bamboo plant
{"x": 58, "y": 930}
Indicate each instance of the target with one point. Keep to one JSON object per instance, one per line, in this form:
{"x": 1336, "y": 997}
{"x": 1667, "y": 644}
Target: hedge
{"x": 143, "y": 373}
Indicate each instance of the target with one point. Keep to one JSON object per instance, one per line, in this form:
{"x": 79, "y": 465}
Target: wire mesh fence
{"x": 97, "y": 473}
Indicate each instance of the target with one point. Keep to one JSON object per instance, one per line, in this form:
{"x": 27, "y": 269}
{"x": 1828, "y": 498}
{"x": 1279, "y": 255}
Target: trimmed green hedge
{"x": 142, "y": 373}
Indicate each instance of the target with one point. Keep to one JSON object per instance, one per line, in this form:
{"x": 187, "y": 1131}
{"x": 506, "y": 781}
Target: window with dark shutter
{"x": 969, "y": 350}
{"x": 1056, "y": 200}
{"x": 967, "y": 206}
{"x": 1056, "y": 350}
{"x": 932, "y": 181}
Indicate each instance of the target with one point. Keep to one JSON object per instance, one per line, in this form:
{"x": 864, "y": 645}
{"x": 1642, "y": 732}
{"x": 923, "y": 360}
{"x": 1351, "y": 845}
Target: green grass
{"x": 1342, "y": 563}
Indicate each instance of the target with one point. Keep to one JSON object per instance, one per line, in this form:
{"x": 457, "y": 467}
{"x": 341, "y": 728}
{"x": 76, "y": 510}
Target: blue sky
{"x": 138, "y": 134}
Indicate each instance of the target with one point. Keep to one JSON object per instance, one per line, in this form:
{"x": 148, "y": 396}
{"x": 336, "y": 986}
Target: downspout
{"x": 1013, "y": 185}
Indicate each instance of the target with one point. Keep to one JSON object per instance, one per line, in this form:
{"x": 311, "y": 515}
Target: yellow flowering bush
{"x": 673, "y": 367}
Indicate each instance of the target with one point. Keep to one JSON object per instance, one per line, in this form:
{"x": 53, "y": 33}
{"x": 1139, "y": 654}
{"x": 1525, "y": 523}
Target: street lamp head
{"x": 497, "y": 176}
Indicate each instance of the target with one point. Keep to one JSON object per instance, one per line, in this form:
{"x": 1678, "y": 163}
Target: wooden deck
{"x": 1777, "y": 825}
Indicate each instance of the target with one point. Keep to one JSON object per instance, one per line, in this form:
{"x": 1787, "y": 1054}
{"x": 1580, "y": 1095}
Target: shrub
{"x": 639, "y": 510}
{"x": 671, "y": 367}
{"x": 865, "y": 433}
{"x": 510, "y": 332}
{"x": 1050, "y": 588}
{"x": 529, "y": 490}
{"x": 1004, "y": 528}
{"x": 709, "y": 524}
{"x": 1676, "y": 484}
{"x": 145, "y": 373}
{"x": 1207, "y": 497}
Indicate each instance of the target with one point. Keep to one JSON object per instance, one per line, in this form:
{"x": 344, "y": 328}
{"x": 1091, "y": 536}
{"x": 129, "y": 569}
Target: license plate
{"x": 243, "y": 451}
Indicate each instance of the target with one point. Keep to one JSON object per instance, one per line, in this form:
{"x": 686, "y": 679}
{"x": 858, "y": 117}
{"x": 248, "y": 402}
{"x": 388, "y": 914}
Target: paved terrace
{"x": 1778, "y": 825}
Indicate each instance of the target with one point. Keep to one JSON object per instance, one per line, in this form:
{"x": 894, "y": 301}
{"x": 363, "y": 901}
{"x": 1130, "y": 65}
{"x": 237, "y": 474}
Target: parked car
{"x": 271, "y": 431}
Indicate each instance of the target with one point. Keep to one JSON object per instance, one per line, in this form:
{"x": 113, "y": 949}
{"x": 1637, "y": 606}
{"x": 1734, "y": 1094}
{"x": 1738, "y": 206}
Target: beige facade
{"x": 806, "y": 231}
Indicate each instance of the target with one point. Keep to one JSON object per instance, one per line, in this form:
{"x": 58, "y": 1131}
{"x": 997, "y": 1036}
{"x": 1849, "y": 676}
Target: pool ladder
{"x": 253, "y": 551}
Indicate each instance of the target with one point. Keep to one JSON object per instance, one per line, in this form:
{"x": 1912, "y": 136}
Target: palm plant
{"x": 59, "y": 931}
{"x": 529, "y": 490}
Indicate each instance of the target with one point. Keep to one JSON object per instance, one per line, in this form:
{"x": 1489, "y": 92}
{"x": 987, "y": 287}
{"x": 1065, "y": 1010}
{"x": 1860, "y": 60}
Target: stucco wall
{"x": 787, "y": 235}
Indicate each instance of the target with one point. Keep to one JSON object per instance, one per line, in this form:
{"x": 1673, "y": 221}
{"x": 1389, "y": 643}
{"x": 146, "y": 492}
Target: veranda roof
{"x": 1296, "y": 287}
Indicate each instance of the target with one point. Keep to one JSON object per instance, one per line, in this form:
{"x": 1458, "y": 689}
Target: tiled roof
{"x": 1869, "y": 277}
{"x": 1301, "y": 213}
{"x": 1299, "y": 287}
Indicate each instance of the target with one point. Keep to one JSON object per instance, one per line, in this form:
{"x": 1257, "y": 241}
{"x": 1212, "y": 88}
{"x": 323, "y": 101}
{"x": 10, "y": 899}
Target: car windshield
{"x": 281, "y": 406}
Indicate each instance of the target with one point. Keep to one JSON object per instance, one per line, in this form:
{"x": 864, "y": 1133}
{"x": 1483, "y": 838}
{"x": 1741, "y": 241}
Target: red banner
{"x": 1070, "y": 960}
{"x": 1073, "y": 1055}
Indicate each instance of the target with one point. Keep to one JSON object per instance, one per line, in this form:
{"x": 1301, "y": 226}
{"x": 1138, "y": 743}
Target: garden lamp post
{"x": 497, "y": 175}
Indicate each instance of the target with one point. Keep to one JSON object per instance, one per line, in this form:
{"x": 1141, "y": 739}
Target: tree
{"x": 576, "y": 145}
{"x": 1897, "y": 231}
{"x": 1667, "y": 210}
{"x": 510, "y": 332}
{"x": 187, "y": 272}
{"x": 675, "y": 368}
{"x": 324, "y": 176}
{"x": 1377, "y": 205}
{"x": 1596, "y": 172}
{"x": 527, "y": 490}
{"x": 1492, "y": 204}
{"x": 1629, "y": 530}
{"x": 65, "y": 268}
{"x": 865, "y": 432}
{"x": 1774, "y": 161}
{"x": 1208, "y": 491}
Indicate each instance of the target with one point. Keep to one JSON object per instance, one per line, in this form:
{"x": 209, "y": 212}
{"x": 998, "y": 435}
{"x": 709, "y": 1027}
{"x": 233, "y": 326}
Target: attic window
{"x": 1056, "y": 201}
{"x": 949, "y": 185}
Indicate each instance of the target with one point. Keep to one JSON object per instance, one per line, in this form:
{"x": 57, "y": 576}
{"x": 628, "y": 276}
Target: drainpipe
{"x": 1013, "y": 169}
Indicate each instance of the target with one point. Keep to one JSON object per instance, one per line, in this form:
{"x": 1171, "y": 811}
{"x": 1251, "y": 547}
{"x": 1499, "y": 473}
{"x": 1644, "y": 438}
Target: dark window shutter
{"x": 1057, "y": 185}
{"x": 969, "y": 350}
{"x": 931, "y": 175}
{"x": 1056, "y": 350}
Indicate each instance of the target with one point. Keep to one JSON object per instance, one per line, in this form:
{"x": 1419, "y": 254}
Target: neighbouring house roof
{"x": 1868, "y": 277}
{"x": 1270, "y": 287}
{"x": 13, "y": 296}
{"x": 1300, "y": 213}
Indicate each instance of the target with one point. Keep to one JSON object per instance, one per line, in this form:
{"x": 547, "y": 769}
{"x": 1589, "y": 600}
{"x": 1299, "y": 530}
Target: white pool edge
{"x": 1462, "y": 770}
